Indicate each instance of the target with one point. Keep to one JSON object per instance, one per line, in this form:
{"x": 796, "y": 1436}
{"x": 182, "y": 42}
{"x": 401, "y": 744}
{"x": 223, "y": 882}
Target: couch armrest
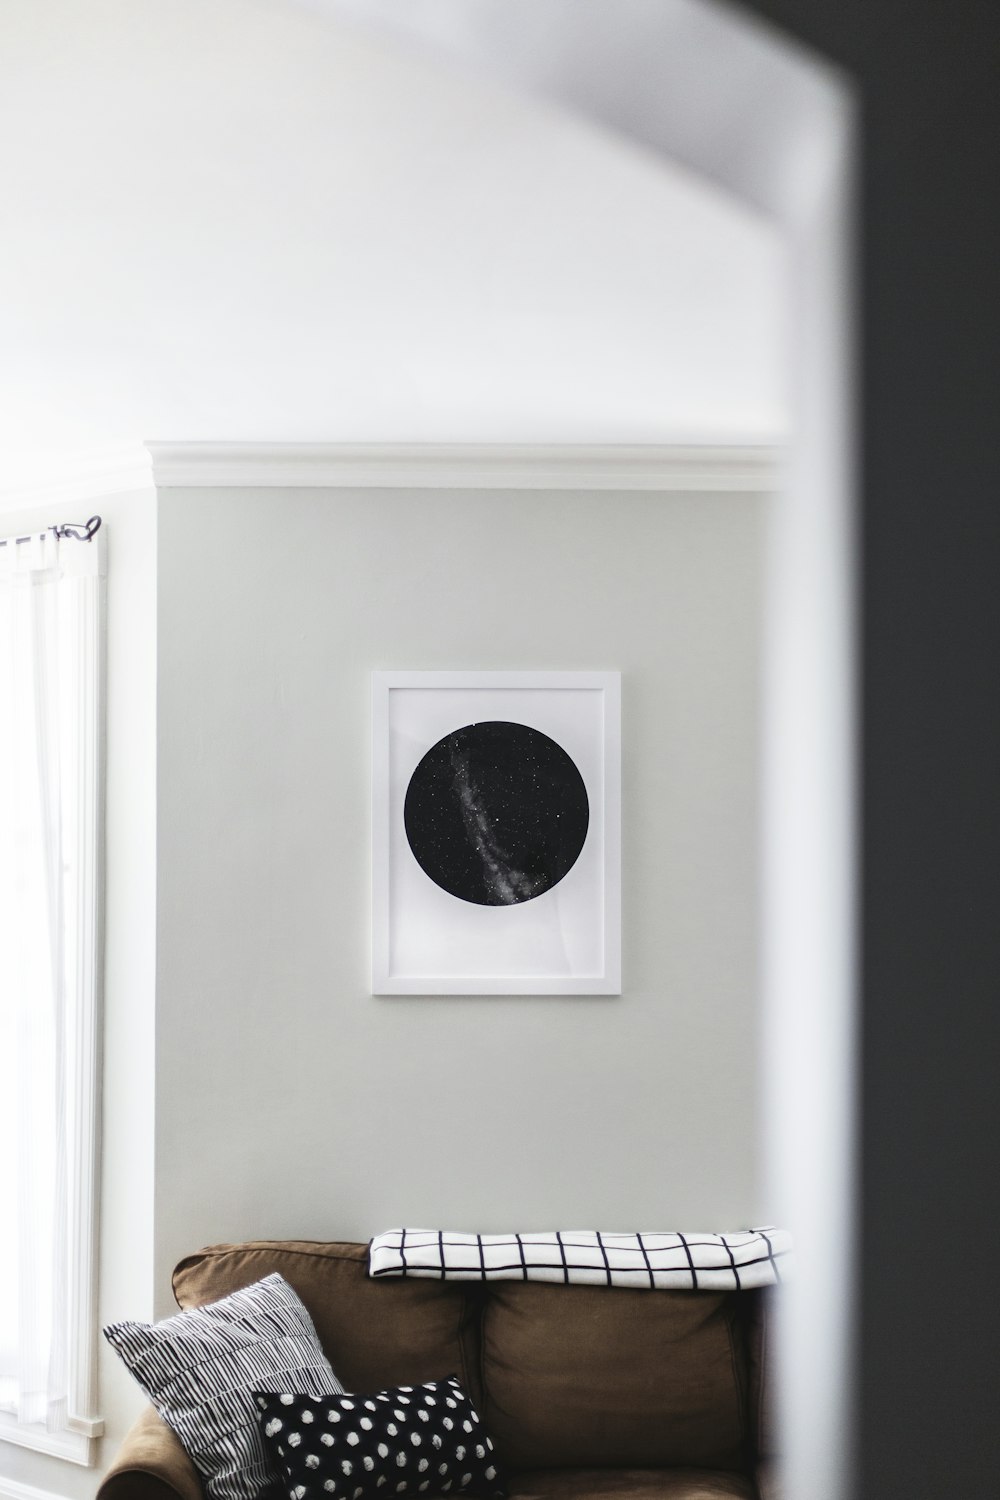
{"x": 768, "y": 1476}
{"x": 152, "y": 1464}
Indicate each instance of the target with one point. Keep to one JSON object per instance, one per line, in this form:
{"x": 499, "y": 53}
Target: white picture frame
{"x": 564, "y": 941}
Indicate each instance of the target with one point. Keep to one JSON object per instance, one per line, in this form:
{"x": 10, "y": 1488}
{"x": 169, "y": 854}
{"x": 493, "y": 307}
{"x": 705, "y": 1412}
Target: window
{"x": 51, "y": 781}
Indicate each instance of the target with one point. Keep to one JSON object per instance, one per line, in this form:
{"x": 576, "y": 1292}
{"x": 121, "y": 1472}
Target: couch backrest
{"x": 564, "y": 1376}
{"x": 763, "y": 1413}
{"x": 374, "y": 1333}
{"x": 588, "y": 1376}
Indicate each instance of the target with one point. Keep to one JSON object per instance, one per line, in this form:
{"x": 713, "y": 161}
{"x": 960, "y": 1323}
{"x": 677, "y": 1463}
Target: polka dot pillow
{"x": 413, "y": 1440}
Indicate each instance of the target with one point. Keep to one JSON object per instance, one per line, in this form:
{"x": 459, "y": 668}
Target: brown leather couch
{"x": 589, "y": 1393}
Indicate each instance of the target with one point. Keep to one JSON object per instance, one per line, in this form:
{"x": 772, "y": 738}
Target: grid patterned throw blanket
{"x": 588, "y": 1257}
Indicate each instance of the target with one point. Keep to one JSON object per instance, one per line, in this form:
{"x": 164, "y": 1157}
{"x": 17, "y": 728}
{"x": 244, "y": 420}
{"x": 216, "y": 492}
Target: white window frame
{"x": 76, "y": 1440}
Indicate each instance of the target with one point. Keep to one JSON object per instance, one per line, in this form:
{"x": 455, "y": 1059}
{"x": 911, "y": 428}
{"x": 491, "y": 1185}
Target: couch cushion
{"x": 631, "y": 1484}
{"x": 604, "y": 1376}
{"x": 375, "y": 1333}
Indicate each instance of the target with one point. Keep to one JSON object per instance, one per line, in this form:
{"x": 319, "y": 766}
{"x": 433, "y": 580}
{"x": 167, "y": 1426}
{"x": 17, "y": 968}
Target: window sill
{"x": 74, "y": 1447}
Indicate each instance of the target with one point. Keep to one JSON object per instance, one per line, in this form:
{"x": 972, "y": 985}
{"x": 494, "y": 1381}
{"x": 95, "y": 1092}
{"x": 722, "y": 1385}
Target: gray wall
{"x": 291, "y": 1102}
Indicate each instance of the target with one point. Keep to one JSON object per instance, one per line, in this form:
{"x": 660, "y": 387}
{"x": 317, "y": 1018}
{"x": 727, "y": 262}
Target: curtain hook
{"x": 80, "y": 533}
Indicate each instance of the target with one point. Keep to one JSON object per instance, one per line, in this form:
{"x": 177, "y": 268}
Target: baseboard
{"x": 14, "y": 1489}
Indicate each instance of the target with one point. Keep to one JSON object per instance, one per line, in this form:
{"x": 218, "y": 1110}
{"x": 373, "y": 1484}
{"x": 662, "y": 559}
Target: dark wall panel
{"x": 929, "y": 1369}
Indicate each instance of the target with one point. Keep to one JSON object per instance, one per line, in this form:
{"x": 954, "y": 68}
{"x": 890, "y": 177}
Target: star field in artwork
{"x": 496, "y": 813}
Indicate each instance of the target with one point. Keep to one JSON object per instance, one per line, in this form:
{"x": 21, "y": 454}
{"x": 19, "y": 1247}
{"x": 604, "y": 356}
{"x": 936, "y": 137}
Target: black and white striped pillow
{"x": 200, "y": 1367}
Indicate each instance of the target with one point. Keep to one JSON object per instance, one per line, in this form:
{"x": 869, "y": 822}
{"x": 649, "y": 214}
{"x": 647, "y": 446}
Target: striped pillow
{"x": 199, "y": 1368}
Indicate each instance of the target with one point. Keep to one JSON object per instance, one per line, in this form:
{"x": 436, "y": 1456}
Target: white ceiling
{"x": 249, "y": 219}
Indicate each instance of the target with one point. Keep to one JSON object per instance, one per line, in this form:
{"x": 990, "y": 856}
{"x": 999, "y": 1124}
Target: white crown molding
{"x": 464, "y": 466}
{"x": 36, "y": 480}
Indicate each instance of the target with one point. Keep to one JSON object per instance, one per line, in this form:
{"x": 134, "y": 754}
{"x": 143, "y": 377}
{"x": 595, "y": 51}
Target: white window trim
{"x": 74, "y": 1447}
{"x": 76, "y": 1442}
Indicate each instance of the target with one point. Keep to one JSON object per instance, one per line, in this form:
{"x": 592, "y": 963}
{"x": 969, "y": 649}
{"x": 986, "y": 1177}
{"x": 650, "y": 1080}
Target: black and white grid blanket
{"x": 589, "y": 1257}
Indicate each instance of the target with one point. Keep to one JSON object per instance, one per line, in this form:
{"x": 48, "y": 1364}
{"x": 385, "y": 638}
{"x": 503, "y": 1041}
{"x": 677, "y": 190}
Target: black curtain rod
{"x": 83, "y": 531}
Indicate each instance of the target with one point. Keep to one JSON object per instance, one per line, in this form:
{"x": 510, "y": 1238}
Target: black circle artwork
{"x": 496, "y": 813}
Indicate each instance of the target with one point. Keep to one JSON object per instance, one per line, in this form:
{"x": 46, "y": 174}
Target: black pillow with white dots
{"x": 413, "y": 1440}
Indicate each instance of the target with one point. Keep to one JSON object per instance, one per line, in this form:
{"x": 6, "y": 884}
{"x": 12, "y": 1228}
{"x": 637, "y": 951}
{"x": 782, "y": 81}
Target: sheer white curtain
{"x": 50, "y": 657}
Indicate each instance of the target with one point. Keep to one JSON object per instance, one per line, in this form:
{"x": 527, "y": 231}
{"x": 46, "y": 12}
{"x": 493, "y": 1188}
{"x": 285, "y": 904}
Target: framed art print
{"x": 496, "y": 833}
